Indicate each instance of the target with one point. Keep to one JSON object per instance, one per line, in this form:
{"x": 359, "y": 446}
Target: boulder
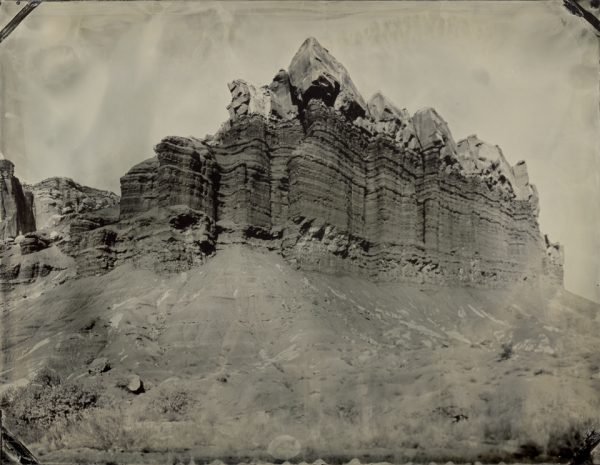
{"x": 99, "y": 365}
{"x": 272, "y": 100}
{"x": 135, "y": 385}
{"x": 487, "y": 160}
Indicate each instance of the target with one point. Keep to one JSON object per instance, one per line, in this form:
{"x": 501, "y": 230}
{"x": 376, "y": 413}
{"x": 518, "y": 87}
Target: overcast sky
{"x": 100, "y": 83}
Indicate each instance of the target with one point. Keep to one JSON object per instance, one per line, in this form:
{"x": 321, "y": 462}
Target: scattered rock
{"x": 135, "y": 385}
{"x": 99, "y": 365}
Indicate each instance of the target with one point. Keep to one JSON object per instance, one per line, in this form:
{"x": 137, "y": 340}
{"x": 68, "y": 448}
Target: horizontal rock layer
{"x": 335, "y": 196}
{"x": 305, "y": 167}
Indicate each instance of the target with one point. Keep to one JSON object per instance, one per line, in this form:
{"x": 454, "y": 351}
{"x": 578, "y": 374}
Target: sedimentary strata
{"x": 56, "y": 199}
{"x": 307, "y": 167}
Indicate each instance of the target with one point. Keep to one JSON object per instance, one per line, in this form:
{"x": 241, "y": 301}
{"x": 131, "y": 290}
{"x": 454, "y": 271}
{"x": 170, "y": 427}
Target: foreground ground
{"x": 245, "y": 349}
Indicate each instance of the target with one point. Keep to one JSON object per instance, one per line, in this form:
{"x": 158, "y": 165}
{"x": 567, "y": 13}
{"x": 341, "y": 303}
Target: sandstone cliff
{"x": 305, "y": 166}
{"x": 338, "y": 184}
{"x": 16, "y": 204}
{"x": 36, "y": 223}
{"x": 56, "y": 199}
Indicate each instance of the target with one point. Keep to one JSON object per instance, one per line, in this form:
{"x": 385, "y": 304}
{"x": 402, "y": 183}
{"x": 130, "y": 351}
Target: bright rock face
{"x": 385, "y": 118}
{"x": 306, "y": 167}
{"x": 480, "y": 158}
{"x": 16, "y": 204}
{"x": 55, "y": 199}
{"x": 274, "y": 100}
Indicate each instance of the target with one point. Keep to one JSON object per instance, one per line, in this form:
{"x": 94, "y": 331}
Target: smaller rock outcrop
{"x": 99, "y": 365}
{"x": 383, "y": 117}
{"x": 245, "y": 98}
{"x": 274, "y": 100}
{"x": 135, "y": 385}
{"x": 477, "y": 157}
{"x": 16, "y": 204}
{"x": 33, "y": 242}
{"x": 555, "y": 258}
{"x": 182, "y": 173}
{"x": 282, "y": 104}
{"x": 57, "y": 198}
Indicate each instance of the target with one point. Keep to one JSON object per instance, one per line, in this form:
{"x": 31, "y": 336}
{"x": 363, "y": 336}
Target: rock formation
{"x": 315, "y": 74}
{"x": 306, "y": 167}
{"x": 16, "y": 204}
{"x": 182, "y": 173}
{"x": 55, "y": 199}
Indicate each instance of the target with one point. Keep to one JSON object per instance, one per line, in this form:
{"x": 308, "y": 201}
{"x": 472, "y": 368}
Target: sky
{"x": 90, "y": 87}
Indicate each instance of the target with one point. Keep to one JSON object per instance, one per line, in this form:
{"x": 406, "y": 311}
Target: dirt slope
{"x": 261, "y": 349}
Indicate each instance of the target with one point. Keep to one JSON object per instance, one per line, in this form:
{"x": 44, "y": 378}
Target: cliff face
{"x": 305, "y": 166}
{"x": 16, "y": 204}
{"x": 56, "y": 199}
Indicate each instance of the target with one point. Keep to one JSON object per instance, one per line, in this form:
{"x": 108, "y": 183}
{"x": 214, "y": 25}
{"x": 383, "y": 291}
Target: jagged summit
{"x": 315, "y": 73}
{"x": 382, "y": 109}
{"x": 433, "y": 131}
{"x": 479, "y": 157}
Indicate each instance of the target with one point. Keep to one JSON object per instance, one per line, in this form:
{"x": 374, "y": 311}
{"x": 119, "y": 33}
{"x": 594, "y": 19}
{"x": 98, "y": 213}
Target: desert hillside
{"x": 246, "y": 348}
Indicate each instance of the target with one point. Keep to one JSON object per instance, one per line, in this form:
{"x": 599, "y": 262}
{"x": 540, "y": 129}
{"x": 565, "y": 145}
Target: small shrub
{"x": 563, "y": 443}
{"x": 47, "y": 400}
{"x": 171, "y": 401}
{"x": 507, "y": 351}
{"x": 101, "y": 429}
